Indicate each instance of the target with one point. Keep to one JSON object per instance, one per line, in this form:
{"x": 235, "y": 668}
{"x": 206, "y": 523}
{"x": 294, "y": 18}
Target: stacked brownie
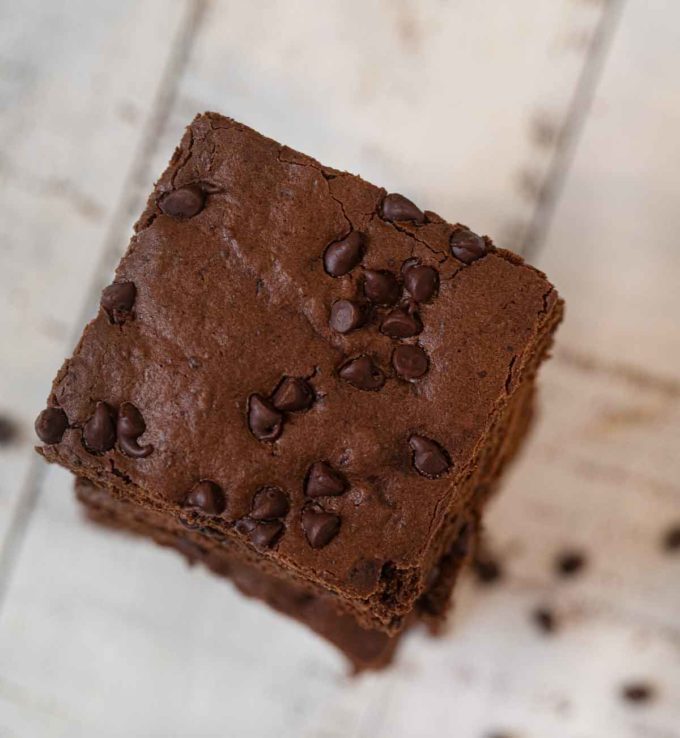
{"x": 306, "y": 383}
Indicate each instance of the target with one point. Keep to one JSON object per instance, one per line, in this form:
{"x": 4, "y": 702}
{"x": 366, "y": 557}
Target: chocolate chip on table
{"x": 421, "y": 281}
{"x": 99, "y": 432}
{"x": 401, "y": 323}
{"x": 569, "y": 563}
{"x": 322, "y": 480}
{"x": 396, "y": 207}
{"x": 269, "y": 503}
{"x": 467, "y": 246}
{"x": 429, "y": 458}
{"x": 130, "y": 426}
{"x": 340, "y": 257}
{"x": 262, "y": 534}
{"x": 671, "y": 539}
{"x": 381, "y": 287}
{"x": 410, "y": 361}
{"x": 184, "y": 202}
{"x": 346, "y": 316}
{"x": 118, "y": 300}
{"x": 292, "y": 395}
{"x": 486, "y": 569}
{"x": 320, "y": 527}
{"x": 362, "y": 373}
{"x": 51, "y": 425}
{"x": 544, "y": 619}
{"x": 208, "y": 497}
{"x": 8, "y": 431}
{"x": 637, "y": 692}
{"x": 264, "y": 420}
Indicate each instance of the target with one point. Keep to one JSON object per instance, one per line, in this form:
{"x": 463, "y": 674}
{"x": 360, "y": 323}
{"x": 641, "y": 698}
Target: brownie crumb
{"x": 671, "y": 539}
{"x": 569, "y": 563}
{"x": 486, "y": 569}
{"x": 544, "y": 619}
{"x": 637, "y": 692}
{"x": 8, "y": 431}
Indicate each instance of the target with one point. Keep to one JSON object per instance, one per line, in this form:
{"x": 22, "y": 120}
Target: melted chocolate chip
{"x": 322, "y": 480}
{"x": 99, "y": 433}
{"x": 292, "y": 395}
{"x": 409, "y": 362}
{"x": 342, "y": 256}
{"x": 131, "y": 425}
{"x": 346, "y": 316}
{"x": 320, "y": 527}
{"x": 118, "y": 300}
{"x": 208, "y": 497}
{"x": 266, "y": 533}
{"x": 421, "y": 281}
{"x": 467, "y": 246}
{"x": 264, "y": 421}
{"x": 429, "y": 458}
{"x": 381, "y": 287}
{"x": 396, "y": 207}
{"x": 362, "y": 373}
{"x": 269, "y": 503}
{"x": 184, "y": 202}
{"x": 51, "y": 425}
{"x": 569, "y": 563}
{"x": 401, "y": 323}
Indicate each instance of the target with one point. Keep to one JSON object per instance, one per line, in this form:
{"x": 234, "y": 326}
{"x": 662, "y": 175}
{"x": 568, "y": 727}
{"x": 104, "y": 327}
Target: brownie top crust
{"x": 292, "y": 353}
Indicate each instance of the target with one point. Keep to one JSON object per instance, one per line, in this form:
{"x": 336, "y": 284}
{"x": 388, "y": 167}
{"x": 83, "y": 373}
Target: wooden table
{"x": 551, "y": 125}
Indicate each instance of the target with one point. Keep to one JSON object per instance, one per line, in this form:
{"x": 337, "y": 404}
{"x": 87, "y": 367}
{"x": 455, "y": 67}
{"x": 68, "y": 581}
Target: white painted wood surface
{"x": 458, "y": 104}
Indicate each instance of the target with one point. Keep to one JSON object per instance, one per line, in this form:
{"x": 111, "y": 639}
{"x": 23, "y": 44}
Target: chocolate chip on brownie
{"x": 117, "y": 301}
{"x": 51, "y": 425}
{"x": 320, "y": 527}
{"x": 362, "y": 373}
{"x": 99, "y": 432}
{"x": 130, "y": 427}
{"x": 421, "y": 281}
{"x": 381, "y": 287}
{"x": 467, "y": 246}
{"x": 322, "y": 480}
{"x": 409, "y": 361}
{"x": 184, "y": 202}
{"x": 264, "y": 420}
{"x": 396, "y": 207}
{"x": 208, "y": 497}
{"x": 401, "y": 323}
{"x": 340, "y": 257}
{"x": 293, "y": 395}
{"x": 429, "y": 458}
{"x": 346, "y": 316}
{"x": 269, "y": 503}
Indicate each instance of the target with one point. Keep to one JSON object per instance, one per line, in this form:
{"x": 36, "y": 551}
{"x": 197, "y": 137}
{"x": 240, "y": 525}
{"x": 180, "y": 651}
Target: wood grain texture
{"x": 103, "y": 635}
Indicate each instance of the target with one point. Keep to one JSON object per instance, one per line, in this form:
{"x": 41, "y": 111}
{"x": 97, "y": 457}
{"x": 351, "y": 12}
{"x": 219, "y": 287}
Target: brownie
{"x": 309, "y": 366}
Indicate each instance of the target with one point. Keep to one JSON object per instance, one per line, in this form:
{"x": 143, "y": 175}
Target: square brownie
{"x": 297, "y": 361}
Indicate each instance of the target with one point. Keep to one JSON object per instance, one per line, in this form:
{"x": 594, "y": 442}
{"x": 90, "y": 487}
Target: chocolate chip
{"x": 184, "y": 202}
{"x": 320, "y": 527}
{"x": 401, "y": 323}
{"x": 8, "y": 431}
{"x": 208, "y": 497}
{"x": 421, "y": 281}
{"x": 51, "y": 425}
{"x": 117, "y": 301}
{"x": 269, "y": 503}
{"x": 637, "y": 692}
{"x": 544, "y": 619}
{"x": 429, "y": 458}
{"x": 381, "y": 287}
{"x": 397, "y": 207}
{"x": 569, "y": 563}
{"x": 362, "y": 373}
{"x": 99, "y": 433}
{"x": 409, "y": 362}
{"x": 322, "y": 480}
{"x": 263, "y": 534}
{"x": 671, "y": 539}
{"x": 292, "y": 394}
{"x": 467, "y": 246}
{"x": 346, "y": 316}
{"x": 130, "y": 426}
{"x": 342, "y": 256}
{"x": 266, "y": 534}
{"x": 486, "y": 569}
{"x": 264, "y": 421}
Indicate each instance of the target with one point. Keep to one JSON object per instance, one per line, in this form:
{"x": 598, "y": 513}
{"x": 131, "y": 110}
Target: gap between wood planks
{"x": 570, "y": 131}
{"x": 181, "y": 46}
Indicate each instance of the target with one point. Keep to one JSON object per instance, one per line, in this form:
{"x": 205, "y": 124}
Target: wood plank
{"x": 75, "y": 99}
